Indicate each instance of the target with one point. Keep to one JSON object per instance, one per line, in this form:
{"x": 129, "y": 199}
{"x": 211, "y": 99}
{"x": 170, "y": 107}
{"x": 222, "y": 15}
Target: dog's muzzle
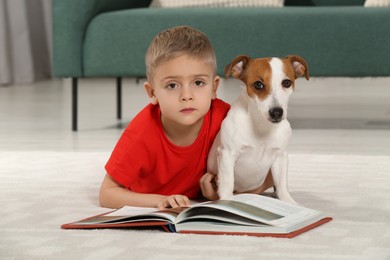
{"x": 276, "y": 114}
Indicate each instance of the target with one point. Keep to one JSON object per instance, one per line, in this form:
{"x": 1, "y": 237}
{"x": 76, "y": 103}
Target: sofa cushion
{"x": 334, "y": 41}
{"x": 216, "y": 3}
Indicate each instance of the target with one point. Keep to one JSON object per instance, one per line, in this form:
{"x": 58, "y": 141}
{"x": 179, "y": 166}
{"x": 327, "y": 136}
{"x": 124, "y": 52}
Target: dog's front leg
{"x": 226, "y": 162}
{"x": 279, "y": 174}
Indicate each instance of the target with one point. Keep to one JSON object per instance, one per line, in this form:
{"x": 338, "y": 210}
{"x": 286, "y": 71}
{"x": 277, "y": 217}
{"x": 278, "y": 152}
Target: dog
{"x": 251, "y": 146}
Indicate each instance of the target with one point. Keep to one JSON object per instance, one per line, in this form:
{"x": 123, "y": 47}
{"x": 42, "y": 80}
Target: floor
{"x": 328, "y": 115}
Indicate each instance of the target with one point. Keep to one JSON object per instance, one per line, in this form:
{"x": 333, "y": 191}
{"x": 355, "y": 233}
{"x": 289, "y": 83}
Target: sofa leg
{"x": 74, "y": 104}
{"x": 119, "y": 98}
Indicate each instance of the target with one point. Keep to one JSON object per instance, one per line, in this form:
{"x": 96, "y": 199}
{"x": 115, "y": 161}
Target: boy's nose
{"x": 186, "y": 94}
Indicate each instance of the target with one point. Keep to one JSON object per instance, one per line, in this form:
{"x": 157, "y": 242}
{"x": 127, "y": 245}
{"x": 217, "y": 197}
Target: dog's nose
{"x": 276, "y": 114}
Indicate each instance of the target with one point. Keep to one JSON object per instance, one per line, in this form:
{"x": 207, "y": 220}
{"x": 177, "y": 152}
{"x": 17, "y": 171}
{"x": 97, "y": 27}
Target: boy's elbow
{"x": 102, "y": 198}
{"x": 111, "y": 194}
{"x": 104, "y": 192}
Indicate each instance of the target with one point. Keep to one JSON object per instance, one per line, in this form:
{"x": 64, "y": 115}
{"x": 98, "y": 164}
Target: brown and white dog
{"x": 252, "y": 142}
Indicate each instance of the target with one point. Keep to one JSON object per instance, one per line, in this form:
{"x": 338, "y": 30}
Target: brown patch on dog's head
{"x": 255, "y": 73}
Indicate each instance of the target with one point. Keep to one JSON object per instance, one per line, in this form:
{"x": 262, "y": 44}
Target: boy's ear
{"x": 216, "y": 82}
{"x": 150, "y": 91}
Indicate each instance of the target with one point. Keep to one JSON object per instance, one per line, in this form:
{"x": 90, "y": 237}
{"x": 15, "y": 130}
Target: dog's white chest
{"x": 253, "y": 164}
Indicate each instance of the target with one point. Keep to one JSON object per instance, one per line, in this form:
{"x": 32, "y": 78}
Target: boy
{"x": 161, "y": 156}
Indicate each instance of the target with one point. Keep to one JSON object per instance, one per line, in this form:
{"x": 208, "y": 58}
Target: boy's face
{"x": 183, "y": 87}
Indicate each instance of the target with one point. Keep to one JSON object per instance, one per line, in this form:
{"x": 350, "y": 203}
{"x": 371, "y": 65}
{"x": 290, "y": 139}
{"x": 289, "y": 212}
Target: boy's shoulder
{"x": 219, "y": 107}
{"x": 146, "y": 119}
{"x": 220, "y": 103}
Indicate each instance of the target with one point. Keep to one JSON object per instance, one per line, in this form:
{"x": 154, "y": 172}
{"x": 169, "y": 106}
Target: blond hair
{"x": 177, "y": 41}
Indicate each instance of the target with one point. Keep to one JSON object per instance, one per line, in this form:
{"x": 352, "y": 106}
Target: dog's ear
{"x": 299, "y": 65}
{"x": 237, "y": 67}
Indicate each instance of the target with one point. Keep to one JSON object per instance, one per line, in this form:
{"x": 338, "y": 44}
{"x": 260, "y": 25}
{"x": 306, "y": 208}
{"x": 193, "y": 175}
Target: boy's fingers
{"x": 178, "y": 201}
{"x": 206, "y": 179}
{"x": 204, "y": 184}
{"x": 208, "y": 183}
{"x": 182, "y": 201}
{"x": 172, "y": 202}
{"x": 163, "y": 204}
{"x": 209, "y": 187}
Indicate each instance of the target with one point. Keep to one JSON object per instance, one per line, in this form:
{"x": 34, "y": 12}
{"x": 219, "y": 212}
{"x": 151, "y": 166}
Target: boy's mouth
{"x": 187, "y": 110}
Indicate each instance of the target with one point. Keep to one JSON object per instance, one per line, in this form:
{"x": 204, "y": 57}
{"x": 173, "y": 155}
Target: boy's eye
{"x": 199, "y": 83}
{"x": 171, "y": 86}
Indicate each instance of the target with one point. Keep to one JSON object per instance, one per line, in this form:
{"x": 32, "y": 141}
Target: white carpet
{"x": 39, "y": 191}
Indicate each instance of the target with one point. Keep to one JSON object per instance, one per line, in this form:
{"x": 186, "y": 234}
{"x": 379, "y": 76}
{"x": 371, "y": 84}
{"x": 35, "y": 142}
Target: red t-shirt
{"x": 145, "y": 161}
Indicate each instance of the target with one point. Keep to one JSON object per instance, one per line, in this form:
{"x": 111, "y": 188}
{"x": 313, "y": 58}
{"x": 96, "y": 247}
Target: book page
{"x": 129, "y": 214}
{"x": 273, "y": 205}
{"x": 141, "y": 212}
{"x": 131, "y": 211}
{"x": 291, "y": 213}
{"x": 252, "y": 207}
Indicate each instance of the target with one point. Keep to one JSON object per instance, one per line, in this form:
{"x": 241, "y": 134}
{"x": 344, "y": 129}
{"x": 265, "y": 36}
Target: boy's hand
{"x": 209, "y": 187}
{"x": 173, "y": 201}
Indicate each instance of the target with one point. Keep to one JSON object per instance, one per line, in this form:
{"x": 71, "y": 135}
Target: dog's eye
{"x": 258, "y": 85}
{"x": 286, "y": 83}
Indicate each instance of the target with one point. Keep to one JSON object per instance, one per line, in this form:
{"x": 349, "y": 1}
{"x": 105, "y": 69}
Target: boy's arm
{"x": 114, "y": 195}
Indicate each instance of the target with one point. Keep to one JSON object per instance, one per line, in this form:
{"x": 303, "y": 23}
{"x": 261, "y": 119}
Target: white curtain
{"x": 25, "y": 41}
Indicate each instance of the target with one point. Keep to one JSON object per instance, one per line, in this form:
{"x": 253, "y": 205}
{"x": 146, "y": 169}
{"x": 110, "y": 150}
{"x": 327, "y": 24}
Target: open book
{"x": 244, "y": 214}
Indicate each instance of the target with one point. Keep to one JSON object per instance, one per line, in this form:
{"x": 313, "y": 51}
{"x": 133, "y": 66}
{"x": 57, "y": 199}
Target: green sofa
{"x": 109, "y": 38}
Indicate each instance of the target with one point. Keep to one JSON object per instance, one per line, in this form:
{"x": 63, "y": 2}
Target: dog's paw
{"x": 225, "y": 188}
{"x": 287, "y": 198}
{"x": 226, "y": 195}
